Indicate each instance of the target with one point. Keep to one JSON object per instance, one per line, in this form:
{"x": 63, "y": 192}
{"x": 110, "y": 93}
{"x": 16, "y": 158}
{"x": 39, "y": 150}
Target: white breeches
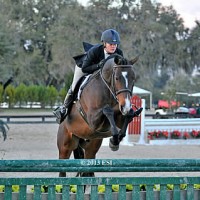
{"x": 77, "y": 75}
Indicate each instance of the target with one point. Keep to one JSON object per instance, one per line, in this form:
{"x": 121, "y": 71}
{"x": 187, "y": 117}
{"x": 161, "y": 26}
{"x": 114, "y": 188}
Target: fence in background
{"x": 27, "y": 119}
{"x": 135, "y": 126}
{"x": 172, "y": 124}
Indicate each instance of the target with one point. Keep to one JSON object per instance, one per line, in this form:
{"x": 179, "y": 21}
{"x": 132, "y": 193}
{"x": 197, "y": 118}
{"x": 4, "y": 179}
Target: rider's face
{"x": 110, "y": 48}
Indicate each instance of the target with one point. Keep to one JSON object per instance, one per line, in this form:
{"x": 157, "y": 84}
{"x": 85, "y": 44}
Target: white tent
{"x": 137, "y": 90}
{"x": 141, "y": 92}
{"x": 194, "y": 94}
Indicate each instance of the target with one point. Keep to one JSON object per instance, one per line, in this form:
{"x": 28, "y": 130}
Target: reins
{"x": 112, "y": 87}
{"x": 114, "y": 96}
{"x": 122, "y": 90}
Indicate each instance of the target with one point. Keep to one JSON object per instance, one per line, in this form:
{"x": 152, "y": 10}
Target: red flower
{"x": 157, "y": 134}
{"x": 175, "y": 134}
{"x": 186, "y": 135}
{"x": 195, "y": 134}
{"x": 150, "y": 135}
{"x": 165, "y": 134}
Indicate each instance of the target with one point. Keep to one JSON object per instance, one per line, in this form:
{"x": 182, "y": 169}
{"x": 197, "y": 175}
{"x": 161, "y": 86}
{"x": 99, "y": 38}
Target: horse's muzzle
{"x": 125, "y": 109}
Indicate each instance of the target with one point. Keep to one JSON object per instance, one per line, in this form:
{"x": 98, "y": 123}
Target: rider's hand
{"x": 101, "y": 64}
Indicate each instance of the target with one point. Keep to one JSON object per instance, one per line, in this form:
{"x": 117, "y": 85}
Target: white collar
{"x": 106, "y": 54}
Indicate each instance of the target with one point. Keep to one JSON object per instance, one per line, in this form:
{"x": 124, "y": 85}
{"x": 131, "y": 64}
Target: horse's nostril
{"x": 121, "y": 109}
{"x": 124, "y": 110}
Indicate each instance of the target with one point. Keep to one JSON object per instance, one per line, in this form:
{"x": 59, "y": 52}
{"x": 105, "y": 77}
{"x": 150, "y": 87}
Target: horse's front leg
{"x": 128, "y": 119}
{"x": 122, "y": 132}
{"x": 114, "y": 141}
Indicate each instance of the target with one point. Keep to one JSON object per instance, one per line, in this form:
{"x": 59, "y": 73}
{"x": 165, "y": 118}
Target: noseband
{"x": 111, "y": 88}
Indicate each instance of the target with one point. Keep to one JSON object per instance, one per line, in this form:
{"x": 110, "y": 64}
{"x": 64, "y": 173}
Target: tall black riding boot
{"x": 61, "y": 112}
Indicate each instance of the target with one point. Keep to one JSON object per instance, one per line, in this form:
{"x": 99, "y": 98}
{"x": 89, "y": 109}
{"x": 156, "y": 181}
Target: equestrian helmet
{"x": 110, "y": 36}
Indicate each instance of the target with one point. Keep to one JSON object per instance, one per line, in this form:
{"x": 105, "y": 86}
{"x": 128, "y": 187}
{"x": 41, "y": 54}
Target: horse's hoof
{"x": 112, "y": 146}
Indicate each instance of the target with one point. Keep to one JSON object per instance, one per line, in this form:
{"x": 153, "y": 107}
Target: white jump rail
{"x": 172, "y": 124}
{"x": 182, "y": 125}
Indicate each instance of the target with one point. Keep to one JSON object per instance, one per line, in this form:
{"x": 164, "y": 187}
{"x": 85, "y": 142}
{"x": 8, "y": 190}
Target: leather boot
{"x": 61, "y": 112}
{"x": 68, "y": 98}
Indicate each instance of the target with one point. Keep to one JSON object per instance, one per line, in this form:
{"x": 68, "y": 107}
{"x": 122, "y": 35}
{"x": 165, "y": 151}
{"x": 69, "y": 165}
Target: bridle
{"x": 111, "y": 87}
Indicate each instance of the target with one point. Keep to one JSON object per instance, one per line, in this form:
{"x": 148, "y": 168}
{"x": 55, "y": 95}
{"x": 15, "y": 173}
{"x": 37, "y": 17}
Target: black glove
{"x": 101, "y": 64}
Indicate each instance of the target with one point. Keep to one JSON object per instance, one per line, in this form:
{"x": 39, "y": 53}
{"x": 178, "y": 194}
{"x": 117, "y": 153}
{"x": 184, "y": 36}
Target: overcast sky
{"x": 188, "y": 10}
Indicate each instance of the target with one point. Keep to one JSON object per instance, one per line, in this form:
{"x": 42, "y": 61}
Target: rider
{"x": 93, "y": 61}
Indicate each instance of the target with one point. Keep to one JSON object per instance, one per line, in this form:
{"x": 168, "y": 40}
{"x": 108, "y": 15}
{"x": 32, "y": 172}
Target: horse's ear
{"x": 118, "y": 60}
{"x": 134, "y": 60}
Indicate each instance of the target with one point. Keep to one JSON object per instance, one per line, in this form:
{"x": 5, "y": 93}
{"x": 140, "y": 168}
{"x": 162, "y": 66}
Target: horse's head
{"x": 120, "y": 78}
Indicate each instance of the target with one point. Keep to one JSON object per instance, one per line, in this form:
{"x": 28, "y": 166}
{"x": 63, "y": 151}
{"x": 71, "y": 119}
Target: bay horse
{"x": 101, "y": 109}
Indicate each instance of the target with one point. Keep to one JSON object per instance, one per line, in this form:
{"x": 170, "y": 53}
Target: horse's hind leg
{"x": 91, "y": 148}
{"x": 78, "y": 152}
{"x": 66, "y": 143}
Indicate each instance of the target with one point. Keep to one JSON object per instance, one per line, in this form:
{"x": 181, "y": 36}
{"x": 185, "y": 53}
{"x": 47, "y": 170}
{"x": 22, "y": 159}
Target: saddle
{"x": 81, "y": 84}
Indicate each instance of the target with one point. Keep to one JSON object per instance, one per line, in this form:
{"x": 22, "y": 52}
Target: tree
{"x": 10, "y": 96}
{"x": 8, "y": 41}
{"x": 180, "y": 84}
{"x": 21, "y": 94}
{"x": 193, "y": 43}
{"x": 1, "y": 93}
{"x": 32, "y": 94}
{"x": 39, "y": 39}
{"x": 51, "y": 95}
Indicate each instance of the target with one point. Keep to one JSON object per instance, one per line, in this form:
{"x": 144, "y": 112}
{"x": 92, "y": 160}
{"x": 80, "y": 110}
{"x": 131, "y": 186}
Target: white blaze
{"x": 127, "y": 106}
{"x": 124, "y": 74}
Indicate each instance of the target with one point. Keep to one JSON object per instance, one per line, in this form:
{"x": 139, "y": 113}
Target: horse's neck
{"x": 109, "y": 62}
{"x": 106, "y": 72}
